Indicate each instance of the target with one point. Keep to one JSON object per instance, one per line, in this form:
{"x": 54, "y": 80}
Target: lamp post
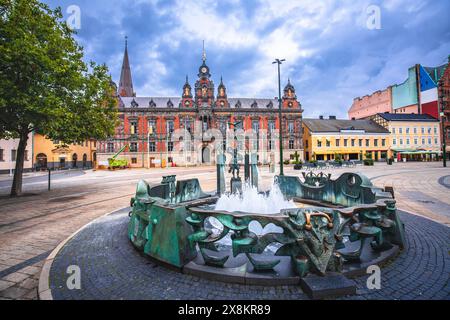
{"x": 442, "y": 109}
{"x": 279, "y": 62}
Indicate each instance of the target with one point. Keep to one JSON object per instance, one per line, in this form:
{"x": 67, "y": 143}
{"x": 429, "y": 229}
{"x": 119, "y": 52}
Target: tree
{"x": 45, "y": 86}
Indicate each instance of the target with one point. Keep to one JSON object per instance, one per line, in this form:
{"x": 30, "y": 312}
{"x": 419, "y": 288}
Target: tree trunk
{"x": 16, "y": 189}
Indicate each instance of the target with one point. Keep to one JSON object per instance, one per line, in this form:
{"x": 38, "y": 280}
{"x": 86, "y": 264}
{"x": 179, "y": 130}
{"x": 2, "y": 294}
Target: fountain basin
{"x": 331, "y": 227}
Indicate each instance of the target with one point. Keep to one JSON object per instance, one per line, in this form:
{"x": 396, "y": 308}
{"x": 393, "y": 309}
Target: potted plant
{"x": 368, "y": 161}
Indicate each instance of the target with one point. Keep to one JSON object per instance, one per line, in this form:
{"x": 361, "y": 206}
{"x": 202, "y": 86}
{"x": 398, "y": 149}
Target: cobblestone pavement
{"x": 112, "y": 269}
{"x": 33, "y": 225}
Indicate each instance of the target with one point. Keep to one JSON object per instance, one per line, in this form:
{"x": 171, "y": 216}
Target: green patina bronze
{"x": 170, "y": 222}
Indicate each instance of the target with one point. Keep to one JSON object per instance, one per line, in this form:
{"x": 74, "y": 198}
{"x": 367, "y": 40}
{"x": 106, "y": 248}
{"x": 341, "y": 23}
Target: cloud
{"x": 331, "y": 56}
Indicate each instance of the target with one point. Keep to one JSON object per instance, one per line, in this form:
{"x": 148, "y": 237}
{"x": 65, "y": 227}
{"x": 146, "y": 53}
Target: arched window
{"x": 41, "y": 161}
{"x": 74, "y": 160}
{"x": 84, "y": 160}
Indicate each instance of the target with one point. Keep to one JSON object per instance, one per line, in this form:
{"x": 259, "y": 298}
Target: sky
{"x": 335, "y": 50}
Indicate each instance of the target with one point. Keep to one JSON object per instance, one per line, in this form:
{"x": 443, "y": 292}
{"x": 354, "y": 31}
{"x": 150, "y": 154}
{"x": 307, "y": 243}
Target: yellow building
{"x": 48, "y": 154}
{"x": 413, "y": 136}
{"x": 326, "y": 139}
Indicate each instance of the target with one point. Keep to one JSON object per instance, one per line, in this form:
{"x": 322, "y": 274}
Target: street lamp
{"x": 279, "y": 62}
{"x": 442, "y": 109}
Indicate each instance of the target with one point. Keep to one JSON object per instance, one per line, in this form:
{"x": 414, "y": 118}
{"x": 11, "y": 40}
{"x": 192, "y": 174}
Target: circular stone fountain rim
{"x": 345, "y": 211}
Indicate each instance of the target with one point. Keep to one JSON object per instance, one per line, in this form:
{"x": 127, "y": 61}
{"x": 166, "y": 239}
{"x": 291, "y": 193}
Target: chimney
{"x": 332, "y": 118}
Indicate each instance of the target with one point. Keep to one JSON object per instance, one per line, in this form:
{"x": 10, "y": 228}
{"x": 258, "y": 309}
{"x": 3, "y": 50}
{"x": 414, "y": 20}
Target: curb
{"x": 44, "y": 291}
{"x": 422, "y": 216}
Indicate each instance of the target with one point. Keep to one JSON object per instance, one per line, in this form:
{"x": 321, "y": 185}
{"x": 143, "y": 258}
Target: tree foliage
{"x": 45, "y": 86}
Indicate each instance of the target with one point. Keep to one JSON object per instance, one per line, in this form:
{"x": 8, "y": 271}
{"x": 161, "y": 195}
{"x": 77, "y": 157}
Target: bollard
{"x": 49, "y": 174}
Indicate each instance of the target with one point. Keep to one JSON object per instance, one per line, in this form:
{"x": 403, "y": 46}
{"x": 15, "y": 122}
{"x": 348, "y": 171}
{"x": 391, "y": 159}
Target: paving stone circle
{"x": 112, "y": 269}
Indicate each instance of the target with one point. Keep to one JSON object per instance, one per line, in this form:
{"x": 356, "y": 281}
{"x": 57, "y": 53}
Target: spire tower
{"x": 126, "y": 83}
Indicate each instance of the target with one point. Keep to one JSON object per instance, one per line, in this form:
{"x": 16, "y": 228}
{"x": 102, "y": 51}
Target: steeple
{"x": 126, "y": 83}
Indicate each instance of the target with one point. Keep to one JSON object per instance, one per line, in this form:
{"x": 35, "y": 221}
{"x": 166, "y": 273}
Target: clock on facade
{"x": 204, "y": 70}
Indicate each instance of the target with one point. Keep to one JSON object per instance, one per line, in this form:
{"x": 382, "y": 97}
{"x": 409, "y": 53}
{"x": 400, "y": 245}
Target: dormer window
{"x": 270, "y": 105}
{"x": 169, "y": 104}
{"x": 238, "y": 104}
{"x": 152, "y": 104}
{"x": 134, "y": 104}
{"x": 254, "y": 105}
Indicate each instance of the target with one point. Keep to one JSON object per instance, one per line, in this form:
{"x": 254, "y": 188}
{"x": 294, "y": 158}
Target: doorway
{"x": 206, "y": 155}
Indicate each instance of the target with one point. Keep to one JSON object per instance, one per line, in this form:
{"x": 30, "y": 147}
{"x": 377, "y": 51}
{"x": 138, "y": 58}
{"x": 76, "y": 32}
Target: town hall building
{"x": 148, "y": 124}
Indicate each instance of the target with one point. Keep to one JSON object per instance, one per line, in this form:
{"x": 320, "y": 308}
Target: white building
{"x": 8, "y": 155}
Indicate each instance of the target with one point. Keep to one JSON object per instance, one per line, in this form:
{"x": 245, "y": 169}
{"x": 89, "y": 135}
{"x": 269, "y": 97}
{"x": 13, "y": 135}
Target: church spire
{"x": 126, "y": 83}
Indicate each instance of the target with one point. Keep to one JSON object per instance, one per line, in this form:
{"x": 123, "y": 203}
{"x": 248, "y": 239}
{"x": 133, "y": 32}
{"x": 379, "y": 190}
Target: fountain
{"x": 297, "y": 229}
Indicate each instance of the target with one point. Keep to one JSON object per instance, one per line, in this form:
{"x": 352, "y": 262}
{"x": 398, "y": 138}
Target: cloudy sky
{"x": 331, "y": 54}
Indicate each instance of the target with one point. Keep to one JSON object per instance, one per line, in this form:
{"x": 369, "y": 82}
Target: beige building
{"x": 328, "y": 139}
{"x": 48, "y": 154}
{"x": 414, "y": 137}
{"x": 8, "y": 155}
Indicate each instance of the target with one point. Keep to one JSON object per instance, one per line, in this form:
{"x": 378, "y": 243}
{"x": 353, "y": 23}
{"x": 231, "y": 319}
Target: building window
{"x": 393, "y": 130}
{"x": 152, "y": 127}
{"x": 152, "y": 146}
{"x": 423, "y": 130}
{"x": 307, "y": 143}
{"x": 415, "y": 141}
{"x": 270, "y": 144}
{"x": 429, "y": 141}
{"x": 255, "y": 126}
{"x": 407, "y": 130}
{"x": 338, "y": 142}
{"x": 133, "y": 147}
{"x": 435, "y": 141}
{"x": 134, "y": 160}
{"x": 375, "y": 143}
{"x": 383, "y": 142}
{"x": 271, "y": 126}
{"x": 328, "y": 143}
{"x": 170, "y": 126}
{"x": 319, "y": 143}
{"x": 13, "y": 155}
{"x": 429, "y": 130}
{"x": 110, "y": 147}
{"x": 291, "y": 127}
{"x": 170, "y": 146}
{"x": 353, "y": 142}
{"x": 367, "y": 142}
{"x": 415, "y": 130}
{"x": 407, "y": 141}
{"x": 2, "y": 155}
{"x": 394, "y": 141}
{"x": 423, "y": 141}
{"x": 345, "y": 142}
{"x": 133, "y": 127}
{"x": 435, "y": 130}
{"x": 360, "y": 142}
{"x": 291, "y": 144}
{"x": 400, "y": 130}
{"x": 401, "y": 142}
